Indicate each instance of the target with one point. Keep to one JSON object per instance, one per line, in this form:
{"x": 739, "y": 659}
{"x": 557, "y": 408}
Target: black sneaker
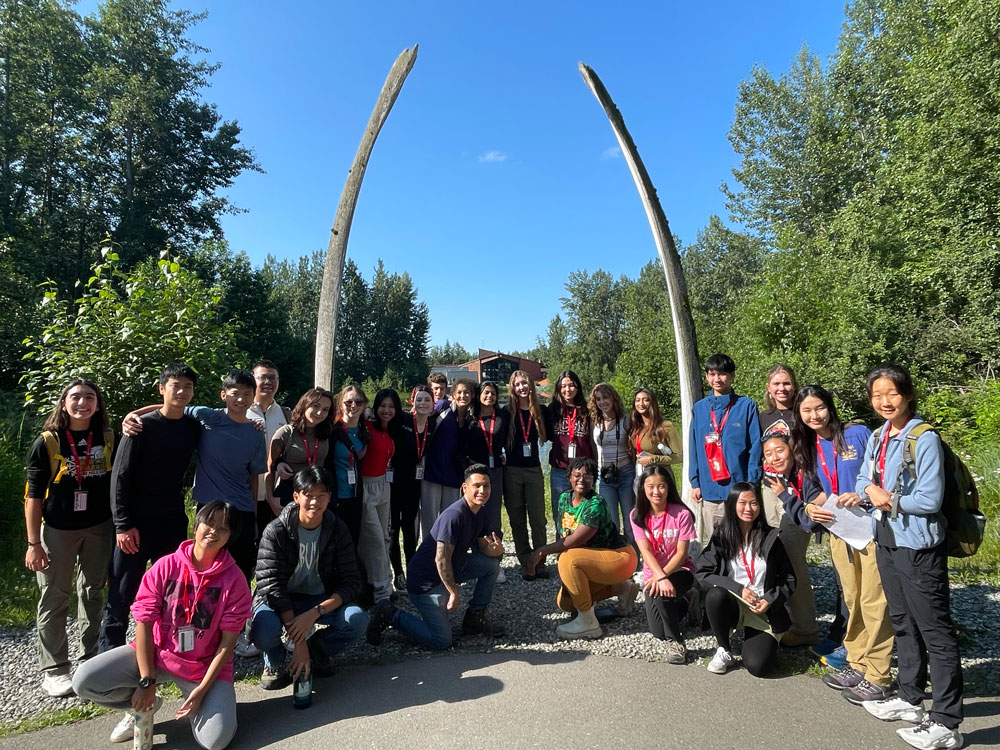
{"x": 275, "y": 679}
{"x": 399, "y": 583}
{"x": 542, "y": 572}
{"x": 478, "y": 622}
{"x": 322, "y": 665}
{"x": 381, "y": 618}
{"x": 847, "y": 677}
{"x": 865, "y": 691}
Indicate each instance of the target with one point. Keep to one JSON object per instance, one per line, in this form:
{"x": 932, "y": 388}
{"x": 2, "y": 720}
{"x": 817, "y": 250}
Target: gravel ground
{"x": 528, "y": 611}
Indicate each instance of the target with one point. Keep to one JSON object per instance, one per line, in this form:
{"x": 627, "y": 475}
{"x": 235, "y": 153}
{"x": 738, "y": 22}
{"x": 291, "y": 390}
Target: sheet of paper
{"x": 852, "y": 525}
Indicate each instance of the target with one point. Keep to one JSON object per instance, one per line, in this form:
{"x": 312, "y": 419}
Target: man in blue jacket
{"x": 724, "y": 442}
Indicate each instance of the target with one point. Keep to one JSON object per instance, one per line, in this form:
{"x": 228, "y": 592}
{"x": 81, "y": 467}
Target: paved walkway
{"x": 527, "y": 700}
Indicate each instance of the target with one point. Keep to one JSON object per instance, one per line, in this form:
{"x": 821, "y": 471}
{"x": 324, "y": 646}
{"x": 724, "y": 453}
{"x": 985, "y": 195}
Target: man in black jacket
{"x": 307, "y": 574}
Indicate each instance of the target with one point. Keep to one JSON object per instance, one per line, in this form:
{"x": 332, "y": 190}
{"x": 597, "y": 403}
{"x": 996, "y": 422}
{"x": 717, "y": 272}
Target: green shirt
{"x": 592, "y": 512}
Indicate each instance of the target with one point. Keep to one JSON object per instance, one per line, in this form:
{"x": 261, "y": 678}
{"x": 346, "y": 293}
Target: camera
{"x": 610, "y": 474}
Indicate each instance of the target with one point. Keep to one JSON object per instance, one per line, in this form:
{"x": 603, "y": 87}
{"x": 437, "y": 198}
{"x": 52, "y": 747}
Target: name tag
{"x": 491, "y": 461}
{"x": 352, "y": 477}
{"x": 420, "y": 470}
{"x": 185, "y": 639}
{"x": 526, "y": 449}
{"x": 389, "y": 475}
{"x": 571, "y": 451}
{"x": 79, "y": 500}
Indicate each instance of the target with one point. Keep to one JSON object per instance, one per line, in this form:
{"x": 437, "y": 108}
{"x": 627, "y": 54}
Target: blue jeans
{"x": 432, "y": 628}
{"x": 345, "y": 624}
{"x": 620, "y": 495}
{"x": 558, "y": 484}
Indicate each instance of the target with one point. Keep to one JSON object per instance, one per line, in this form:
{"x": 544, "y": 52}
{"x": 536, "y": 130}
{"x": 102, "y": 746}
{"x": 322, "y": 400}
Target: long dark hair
{"x": 579, "y": 401}
{"x": 59, "y": 420}
{"x": 643, "y": 508}
{"x": 804, "y": 436}
{"x": 657, "y": 427}
{"x": 312, "y": 398}
{"x": 728, "y": 536}
{"x": 396, "y": 423}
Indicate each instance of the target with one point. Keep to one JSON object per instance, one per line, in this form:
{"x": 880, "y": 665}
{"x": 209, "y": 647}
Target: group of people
{"x": 312, "y": 501}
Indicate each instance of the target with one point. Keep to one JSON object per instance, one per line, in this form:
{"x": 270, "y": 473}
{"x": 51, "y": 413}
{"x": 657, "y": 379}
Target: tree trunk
{"x": 336, "y": 252}
{"x": 689, "y": 370}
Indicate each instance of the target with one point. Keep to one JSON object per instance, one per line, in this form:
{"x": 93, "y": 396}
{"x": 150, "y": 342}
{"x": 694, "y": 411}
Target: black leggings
{"x": 404, "y": 506}
{"x": 663, "y": 614}
{"x": 759, "y": 647}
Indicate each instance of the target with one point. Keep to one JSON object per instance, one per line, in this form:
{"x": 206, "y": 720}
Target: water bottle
{"x": 142, "y": 731}
{"x": 302, "y": 691}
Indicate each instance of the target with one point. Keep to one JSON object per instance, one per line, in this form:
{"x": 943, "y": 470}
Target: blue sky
{"x": 496, "y": 173}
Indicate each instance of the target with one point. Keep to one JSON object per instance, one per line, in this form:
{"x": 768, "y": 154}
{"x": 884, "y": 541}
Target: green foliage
{"x": 122, "y": 330}
{"x": 449, "y": 354}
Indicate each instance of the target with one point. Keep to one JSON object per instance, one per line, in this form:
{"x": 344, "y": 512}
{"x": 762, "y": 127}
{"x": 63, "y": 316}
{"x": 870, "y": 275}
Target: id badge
{"x": 712, "y": 437}
{"x": 571, "y": 451}
{"x": 185, "y": 639}
{"x": 526, "y": 450}
{"x": 389, "y": 475}
{"x": 420, "y": 470}
{"x": 79, "y": 500}
{"x": 352, "y": 477}
{"x": 492, "y": 461}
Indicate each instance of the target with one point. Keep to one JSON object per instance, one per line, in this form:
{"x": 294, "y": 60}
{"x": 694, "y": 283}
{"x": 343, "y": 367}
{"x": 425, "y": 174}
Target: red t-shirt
{"x": 380, "y": 450}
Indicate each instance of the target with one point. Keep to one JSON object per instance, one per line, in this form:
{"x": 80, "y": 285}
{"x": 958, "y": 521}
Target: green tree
{"x": 449, "y": 354}
{"x": 122, "y": 330}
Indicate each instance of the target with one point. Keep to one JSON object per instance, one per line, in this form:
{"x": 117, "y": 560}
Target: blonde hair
{"x": 533, "y": 406}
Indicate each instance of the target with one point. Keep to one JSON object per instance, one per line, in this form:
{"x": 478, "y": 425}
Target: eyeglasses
{"x": 318, "y": 496}
{"x": 267, "y": 378}
{"x": 352, "y": 402}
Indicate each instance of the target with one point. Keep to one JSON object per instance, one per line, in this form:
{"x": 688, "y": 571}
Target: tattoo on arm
{"x": 442, "y": 558}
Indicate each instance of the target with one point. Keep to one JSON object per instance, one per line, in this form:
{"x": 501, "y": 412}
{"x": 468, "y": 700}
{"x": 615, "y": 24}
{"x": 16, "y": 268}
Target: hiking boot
{"x": 825, "y": 646}
{"x": 676, "y": 652}
{"x": 721, "y": 662}
{"x": 542, "y": 573}
{"x": 866, "y": 691}
{"x": 322, "y": 665}
{"x": 275, "y": 679}
{"x": 847, "y": 677}
{"x": 895, "y": 709}
{"x": 478, "y": 622}
{"x": 930, "y": 735}
{"x": 381, "y": 618}
{"x": 836, "y": 659}
{"x": 124, "y": 729}
{"x": 584, "y": 625}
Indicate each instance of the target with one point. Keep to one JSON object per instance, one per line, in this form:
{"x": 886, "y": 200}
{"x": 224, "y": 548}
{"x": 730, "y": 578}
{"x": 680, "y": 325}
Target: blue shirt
{"x": 740, "y": 444}
{"x": 343, "y": 460}
{"x": 456, "y": 525}
{"x": 229, "y": 453}
{"x": 848, "y": 463}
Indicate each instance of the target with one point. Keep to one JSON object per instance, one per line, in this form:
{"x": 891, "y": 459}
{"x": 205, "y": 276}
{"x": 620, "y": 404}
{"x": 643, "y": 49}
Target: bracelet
{"x": 662, "y": 579}
{"x": 33, "y": 544}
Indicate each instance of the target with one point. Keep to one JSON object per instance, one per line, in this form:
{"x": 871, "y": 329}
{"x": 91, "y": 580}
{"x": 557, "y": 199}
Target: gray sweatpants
{"x": 110, "y": 679}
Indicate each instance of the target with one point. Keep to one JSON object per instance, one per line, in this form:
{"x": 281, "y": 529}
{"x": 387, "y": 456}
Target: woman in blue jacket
{"x": 913, "y": 562}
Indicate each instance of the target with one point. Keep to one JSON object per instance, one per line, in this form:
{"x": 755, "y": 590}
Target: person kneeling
{"x": 750, "y": 579}
{"x": 457, "y": 550}
{"x": 190, "y": 608}
{"x": 596, "y": 562}
{"x": 307, "y": 573}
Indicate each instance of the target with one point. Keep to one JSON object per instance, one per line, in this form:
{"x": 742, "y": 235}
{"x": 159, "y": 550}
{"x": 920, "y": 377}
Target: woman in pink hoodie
{"x": 189, "y": 610}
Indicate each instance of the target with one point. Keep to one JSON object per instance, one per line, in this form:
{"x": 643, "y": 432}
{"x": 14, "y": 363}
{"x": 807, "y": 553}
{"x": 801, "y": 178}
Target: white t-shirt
{"x": 273, "y": 418}
{"x": 745, "y": 563}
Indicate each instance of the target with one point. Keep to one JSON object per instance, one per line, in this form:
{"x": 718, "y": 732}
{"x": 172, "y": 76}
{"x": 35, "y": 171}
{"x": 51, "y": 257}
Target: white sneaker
{"x": 123, "y": 729}
{"x": 245, "y": 648}
{"x": 57, "y": 685}
{"x": 501, "y": 578}
{"x": 721, "y": 662}
{"x": 895, "y": 709}
{"x": 930, "y": 735}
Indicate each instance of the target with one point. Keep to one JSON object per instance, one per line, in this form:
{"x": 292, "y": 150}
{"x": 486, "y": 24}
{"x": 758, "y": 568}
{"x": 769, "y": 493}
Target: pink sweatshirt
{"x": 223, "y": 604}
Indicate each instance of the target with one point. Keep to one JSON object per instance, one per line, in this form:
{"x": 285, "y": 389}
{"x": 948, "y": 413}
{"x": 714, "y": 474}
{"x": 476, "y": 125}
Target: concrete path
{"x": 528, "y": 700}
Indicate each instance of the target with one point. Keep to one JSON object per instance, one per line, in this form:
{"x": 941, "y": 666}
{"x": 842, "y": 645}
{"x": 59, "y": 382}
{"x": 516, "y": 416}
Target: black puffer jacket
{"x": 278, "y": 556}
{"x": 779, "y": 578}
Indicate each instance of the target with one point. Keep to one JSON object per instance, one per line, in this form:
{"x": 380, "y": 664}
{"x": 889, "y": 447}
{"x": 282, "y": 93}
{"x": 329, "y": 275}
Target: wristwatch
{"x": 321, "y": 609}
{"x": 147, "y": 682}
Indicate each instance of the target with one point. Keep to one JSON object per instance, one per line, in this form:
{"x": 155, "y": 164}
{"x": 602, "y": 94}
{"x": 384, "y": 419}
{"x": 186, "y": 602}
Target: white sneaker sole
{"x": 580, "y": 634}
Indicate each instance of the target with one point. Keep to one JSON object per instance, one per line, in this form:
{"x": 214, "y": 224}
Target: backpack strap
{"x": 52, "y": 448}
{"x": 109, "y": 448}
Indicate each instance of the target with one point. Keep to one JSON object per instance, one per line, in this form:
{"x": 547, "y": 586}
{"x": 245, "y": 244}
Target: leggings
{"x": 664, "y": 615}
{"x": 404, "y": 505}
{"x": 759, "y": 647}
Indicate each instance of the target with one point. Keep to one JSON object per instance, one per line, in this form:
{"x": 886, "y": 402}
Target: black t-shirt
{"x": 515, "y": 454}
{"x": 58, "y": 507}
{"x": 479, "y": 438}
{"x": 148, "y": 478}
{"x": 776, "y": 420}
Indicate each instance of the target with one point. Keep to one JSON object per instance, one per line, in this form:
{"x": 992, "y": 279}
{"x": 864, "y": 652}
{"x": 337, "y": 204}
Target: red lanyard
{"x": 81, "y": 467}
{"x": 881, "y": 455}
{"x": 834, "y": 478}
{"x": 751, "y": 569}
{"x": 421, "y": 444}
{"x": 310, "y": 454}
{"x": 489, "y": 433}
{"x": 525, "y": 426}
{"x": 638, "y": 443}
{"x": 571, "y": 425}
{"x": 716, "y": 426}
{"x": 198, "y": 592}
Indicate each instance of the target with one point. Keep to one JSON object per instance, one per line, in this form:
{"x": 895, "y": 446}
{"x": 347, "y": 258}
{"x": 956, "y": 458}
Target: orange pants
{"x": 589, "y": 575}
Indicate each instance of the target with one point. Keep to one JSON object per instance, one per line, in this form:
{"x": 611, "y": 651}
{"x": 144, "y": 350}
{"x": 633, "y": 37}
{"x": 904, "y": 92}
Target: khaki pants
{"x": 802, "y": 603}
{"x": 711, "y": 516}
{"x": 524, "y": 498}
{"x": 92, "y": 547}
{"x": 869, "y": 634}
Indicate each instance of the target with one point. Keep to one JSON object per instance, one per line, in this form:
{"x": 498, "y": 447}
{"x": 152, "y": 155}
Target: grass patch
{"x": 52, "y": 719}
{"x": 18, "y": 594}
{"x": 984, "y": 566}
